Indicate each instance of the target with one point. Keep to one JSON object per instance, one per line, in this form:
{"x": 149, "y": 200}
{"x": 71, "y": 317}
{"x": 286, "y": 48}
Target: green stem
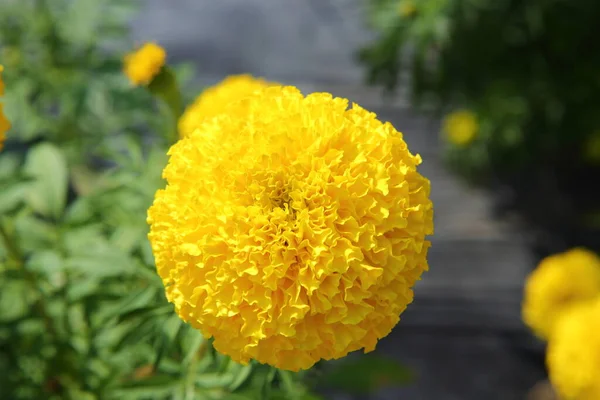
{"x": 164, "y": 86}
{"x": 288, "y": 382}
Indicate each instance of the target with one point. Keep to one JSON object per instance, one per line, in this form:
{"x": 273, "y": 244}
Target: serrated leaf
{"x": 48, "y": 194}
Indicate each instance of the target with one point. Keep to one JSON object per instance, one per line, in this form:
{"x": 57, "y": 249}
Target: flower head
{"x": 144, "y": 64}
{"x": 573, "y": 356}
{"x": 461, "y": 127}
{"x": 291, "y": 229}
{"x": 4, "y": 124}
{"x": 215, "y": 99}
{"x": 559, "y": 282}
{"x": 407, "y": 8}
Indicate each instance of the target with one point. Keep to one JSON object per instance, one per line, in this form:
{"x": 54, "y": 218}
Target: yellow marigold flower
{"x": 4, "y": 124}
{"x": 407, "y": 8}
{"x": 144, "y": 64}
{"x": 559, "y": 282}
{"x": 573, "y": 356}
{"x": 461, "y": 127}
{"x": 213, "y": 101}
{"x": 291, "y": 229}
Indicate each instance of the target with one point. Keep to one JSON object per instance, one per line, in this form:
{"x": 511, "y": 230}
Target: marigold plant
{"x": 573, "y": 357}
{"x": 213, "y": 100}
{"x": 292, "y": 229}
{"x": 559, "y": 282}
{"x": 142, "y": 65}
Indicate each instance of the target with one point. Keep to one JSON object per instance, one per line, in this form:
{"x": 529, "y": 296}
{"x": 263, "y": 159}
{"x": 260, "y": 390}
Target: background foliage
{"x": 82, "y": 311}
{"x": 529, "y": 71}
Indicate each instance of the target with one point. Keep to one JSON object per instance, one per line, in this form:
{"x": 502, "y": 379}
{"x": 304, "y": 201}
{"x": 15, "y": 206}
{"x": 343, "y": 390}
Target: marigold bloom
{"x": 142, "y": 65}
{"x": 213, "y": 100}
{"x": 461, "y": 127}
{"x": 291, "y": 229}
{"x": 573, "y": 356}
{"x": 4, "y": 124}
{"x": 407, "y": 8}
{"x": 559, "y": 282}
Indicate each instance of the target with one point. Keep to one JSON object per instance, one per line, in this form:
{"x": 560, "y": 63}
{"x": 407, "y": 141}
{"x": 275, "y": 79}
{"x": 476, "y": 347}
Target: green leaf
{"x": 365, "y": 374}
{"x": 83, "y": 288}
{"x": 242, "y": 376}
{"x": 213, "y": 380}
{"x": 80, "y": 21}
{"x": 46, "y": 262}
{"x": 34, "y": 234}
{"x": 13, "y": 192}
{"x": 48, "y": 194}
{"x": 14, "y": 303}
{"x": 153, "y": 387}
{"x": 128, "y": 237}
{"x": 101, "y": 264}
{"x": 190, "y": 343}
{"x": 167, "y": 338}
{"x": 139, "y": 300}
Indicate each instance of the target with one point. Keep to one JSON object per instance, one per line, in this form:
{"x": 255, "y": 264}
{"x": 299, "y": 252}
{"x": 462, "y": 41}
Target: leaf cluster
{"x": 528, "y": 69}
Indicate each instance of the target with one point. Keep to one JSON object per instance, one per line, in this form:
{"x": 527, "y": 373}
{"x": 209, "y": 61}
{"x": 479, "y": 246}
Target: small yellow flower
{"x": 407, "y": 8}
{"x": 214, "y": 100}
{"x": 4, "y": 124}
{"x": 573, "y": 357}
{"x": 292, "y": 229}
{"x": 142, "y": 65}
{"x": 461, "y": 127}
{"x": 559, "y": 282}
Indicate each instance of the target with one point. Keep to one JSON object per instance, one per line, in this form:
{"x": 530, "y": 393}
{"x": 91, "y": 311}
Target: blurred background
{"x": 500, "y": 100}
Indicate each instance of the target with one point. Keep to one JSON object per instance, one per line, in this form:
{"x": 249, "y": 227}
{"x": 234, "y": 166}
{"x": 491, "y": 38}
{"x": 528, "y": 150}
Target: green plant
{"x": 528, "y": 70}
{"x": 64, "y": 61}
{"x": 529, "y": 73}
{"x": 83, "y": 313}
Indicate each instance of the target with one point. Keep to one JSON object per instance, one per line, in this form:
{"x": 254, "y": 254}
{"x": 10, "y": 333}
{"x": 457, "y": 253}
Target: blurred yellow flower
{"x": 4, "y": 124}
{"x": 213, "y": 100}
{"x": 142, "y": 65}
{"x": 573, "y": 356}
{"x": 461, "y": 127}
{"x": 559, "y": 282}
{"x": 291, "y": 229}
{"x": 407, "y": 8}
{"x": 592, "y": 148}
